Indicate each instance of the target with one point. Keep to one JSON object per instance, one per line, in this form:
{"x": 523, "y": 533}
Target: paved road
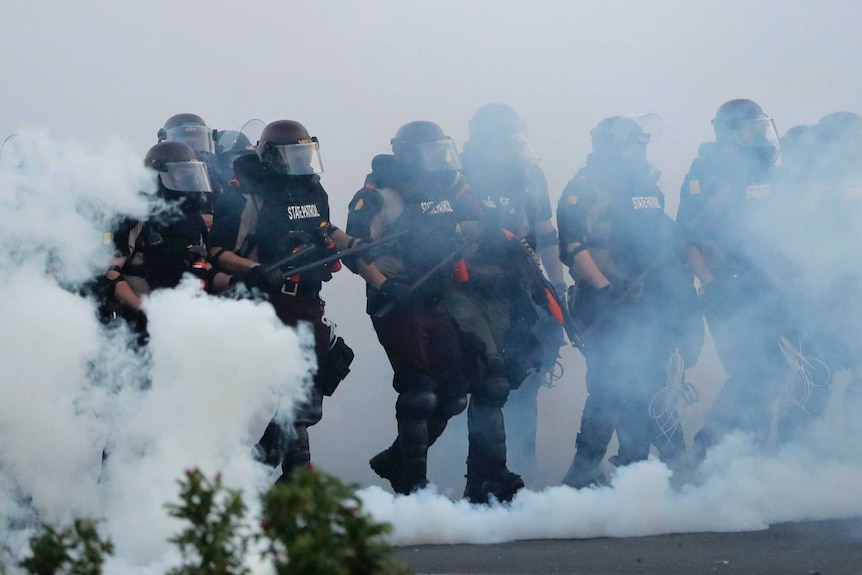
{"x": 820, "y": 547}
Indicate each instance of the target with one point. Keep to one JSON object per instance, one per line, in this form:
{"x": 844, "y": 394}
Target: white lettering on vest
{"x": 646, "y": 202}
{"x": 443, "y": 207}
{"x": 757, "y": 191}
{"x": 303, "y": 212}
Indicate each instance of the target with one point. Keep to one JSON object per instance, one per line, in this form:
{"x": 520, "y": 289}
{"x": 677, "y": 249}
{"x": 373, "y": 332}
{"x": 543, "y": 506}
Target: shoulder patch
{"x": 359, "y": 204}
{"x": 108, "y": 238}
{"x": 572, "y": 200}
{"x": 694, "y": 187}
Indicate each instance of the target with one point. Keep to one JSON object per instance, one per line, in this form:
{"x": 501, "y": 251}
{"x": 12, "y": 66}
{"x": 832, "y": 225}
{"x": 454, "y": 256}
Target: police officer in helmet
{"x": 156, "y": 253}
{"x": 283, "y": 211}
{"x": 634, "y": 295}
{"x": 415, "y": 191}
{"x": 726, "y": 214}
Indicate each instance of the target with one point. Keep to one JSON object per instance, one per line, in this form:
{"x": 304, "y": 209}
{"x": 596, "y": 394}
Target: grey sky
{"x": 354, "y": 71}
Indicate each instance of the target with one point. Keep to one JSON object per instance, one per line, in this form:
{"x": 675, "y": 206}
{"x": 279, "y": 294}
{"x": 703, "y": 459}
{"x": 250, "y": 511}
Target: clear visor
{"x": 440, "y": 156}
{"x": 297, "y": 159}
{"x": 190, "y": 176}
{"x": 198, "y": 138}
{"x": 510, "y": 147}
{"x": 623, "y": 133}
{"x": 756, "y": 133}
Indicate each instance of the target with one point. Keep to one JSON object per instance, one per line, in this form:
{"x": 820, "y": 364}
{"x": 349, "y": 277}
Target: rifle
{"x": 450, "y": 257}
{"x": 306, "y": 248}
{"x": 531, "y": 265}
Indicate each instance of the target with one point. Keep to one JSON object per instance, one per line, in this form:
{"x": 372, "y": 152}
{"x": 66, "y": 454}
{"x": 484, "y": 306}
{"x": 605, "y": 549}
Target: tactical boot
{"x": 502, "y": 487}
{"x": 585, "y": 473}
{"x": 387, "y": 464}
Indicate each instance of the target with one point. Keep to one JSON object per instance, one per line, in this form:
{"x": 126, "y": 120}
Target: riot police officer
{"x": 156, "y": 253}
{"x": 500, "y": 162}
{"x": 190, "y": 129}
{"x": 415, "y": 192}
{"x": 284, "y": 211}
{"x": 726, "y": 207}
{"x": 634, "y": 294}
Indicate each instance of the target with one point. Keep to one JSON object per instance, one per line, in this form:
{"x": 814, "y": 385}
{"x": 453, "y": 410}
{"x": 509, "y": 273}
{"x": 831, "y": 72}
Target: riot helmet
{"x": 743, "y": 124}
{"x": 423, "y": 145}
{"x": 189, "y": 129}
{"x": 285, "y": 147}
{"x": 500, "y": 135}
{"x": 178, "y": 167}
{"x": 620, "y": 137}
{"x": 230, "y": 145}
{"x": 837, "y": 138}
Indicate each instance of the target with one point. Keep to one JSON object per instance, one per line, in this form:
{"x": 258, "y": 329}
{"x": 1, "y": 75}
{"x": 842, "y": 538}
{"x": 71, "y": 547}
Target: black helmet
{"x": 497, "y": 132}
{"x": 286, "y": 148}
{"x": 615, "y": 135}
{"x": 178, "y": 167}
{"x": 743, "y": 123}
{"x": 838, "y": 126}
{"x": 189, "y": 129}
{"x": 232, "y": 141}
{"x": 424, "y": 145}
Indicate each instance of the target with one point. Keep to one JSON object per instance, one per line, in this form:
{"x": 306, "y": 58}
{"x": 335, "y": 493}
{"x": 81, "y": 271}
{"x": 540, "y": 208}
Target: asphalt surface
{"x": 817, "y": 547}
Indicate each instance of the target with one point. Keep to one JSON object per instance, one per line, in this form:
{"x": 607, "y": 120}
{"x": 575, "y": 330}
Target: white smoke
{"x": 201, "y": 393}
{"x": 198, "y": 396}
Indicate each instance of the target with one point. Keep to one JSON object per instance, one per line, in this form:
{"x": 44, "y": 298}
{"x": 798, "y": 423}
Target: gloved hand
{"x": 397, "y": 292}
{"x": 258, "y": 277}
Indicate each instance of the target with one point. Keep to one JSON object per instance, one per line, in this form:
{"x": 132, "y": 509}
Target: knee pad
{"x": 310, "y": 412}
{"x": 415, "y": 405}
{"x": 334, "y": 366}
{"x": 450, "y": 406}
{"x": 492, "y": 389}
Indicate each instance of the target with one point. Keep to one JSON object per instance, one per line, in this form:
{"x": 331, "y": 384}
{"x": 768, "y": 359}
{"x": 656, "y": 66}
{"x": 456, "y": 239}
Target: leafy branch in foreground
{"x": 76, "y": 550}
{"x": 215, "y": 541}
{"x": 315, "y": 525}
{"x": 312, "y": 525}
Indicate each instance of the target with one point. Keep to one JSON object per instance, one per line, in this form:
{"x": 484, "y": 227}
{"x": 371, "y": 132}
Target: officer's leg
{"x": 297, "y": 452}
{"x": 415, "y": 405}
{"x": 487, "y": 473}
{"x": 598, "y": 423}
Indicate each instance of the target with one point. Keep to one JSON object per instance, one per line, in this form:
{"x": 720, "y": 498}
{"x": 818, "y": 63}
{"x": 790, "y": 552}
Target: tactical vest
{"x": 167, "y": 250}
{"x": 292, "y": 213}
{"x": 504, "y": 198}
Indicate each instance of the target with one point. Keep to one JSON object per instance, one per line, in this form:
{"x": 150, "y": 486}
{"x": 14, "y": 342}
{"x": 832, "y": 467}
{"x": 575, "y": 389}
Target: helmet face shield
{"x": 439, "y": 156}
{"x": 755, "y": 133}
{"x": 198, "y": 138}
{"x": 186, "y": 177}
{"x": 295, "y": 159}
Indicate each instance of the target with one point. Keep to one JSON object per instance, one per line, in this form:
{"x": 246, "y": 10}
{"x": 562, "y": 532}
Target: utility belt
{"x": 307, "y": 290}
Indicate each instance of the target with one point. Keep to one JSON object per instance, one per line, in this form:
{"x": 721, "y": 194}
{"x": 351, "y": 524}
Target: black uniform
{"x": 494, "y": 313}
{"x": 727, "y": 203}
{"x": 418, "y": 336}
{"x": 275, "y": 216}
{"x": 518, "y": 192}
{"x": 614, "y": 209}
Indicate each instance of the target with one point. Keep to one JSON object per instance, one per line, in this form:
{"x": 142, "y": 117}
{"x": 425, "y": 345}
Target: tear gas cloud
{"x": 69, "y": 388}
{"x": 74, "y": 390}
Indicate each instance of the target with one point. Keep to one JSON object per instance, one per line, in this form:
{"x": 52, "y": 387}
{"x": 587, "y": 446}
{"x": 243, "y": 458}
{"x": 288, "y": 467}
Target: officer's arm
{"x": 689, "y": 214}
{"x": 123, "y": 292}
{"x": 549, "y": 251}
{"x": 229, "y": 262}
{"x": 583, "y": 268}
{"x": 696, "y": 262}
{"x": 341, "y": 239}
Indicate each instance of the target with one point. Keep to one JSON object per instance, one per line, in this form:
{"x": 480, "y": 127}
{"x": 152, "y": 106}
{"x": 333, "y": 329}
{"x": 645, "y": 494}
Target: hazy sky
{"x": 353, "y": 72}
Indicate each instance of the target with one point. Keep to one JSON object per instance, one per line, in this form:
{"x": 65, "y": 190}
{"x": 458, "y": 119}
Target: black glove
{"x": 258, "y": 277}
{"x": 397, "y": 292}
